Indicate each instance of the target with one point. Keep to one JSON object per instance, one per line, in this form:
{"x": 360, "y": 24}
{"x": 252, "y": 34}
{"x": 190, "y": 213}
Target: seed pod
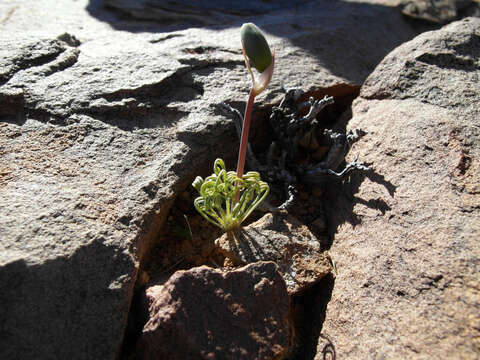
{"x": 256, "y": 47}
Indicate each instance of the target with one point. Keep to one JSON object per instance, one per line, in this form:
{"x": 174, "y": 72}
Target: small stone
{"x": 439, "y": 11}
{"x": 283, "y": 239}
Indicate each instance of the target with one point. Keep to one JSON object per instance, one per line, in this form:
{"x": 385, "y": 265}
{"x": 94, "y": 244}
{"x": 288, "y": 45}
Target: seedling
{"x": 228, "y": 198}
{"x": 216, "y": 202}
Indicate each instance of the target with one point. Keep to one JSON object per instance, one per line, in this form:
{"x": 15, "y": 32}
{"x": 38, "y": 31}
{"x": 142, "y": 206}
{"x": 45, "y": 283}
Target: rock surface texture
{"x": 283, "y": 239}
{"x": 104, "y": 119}
{"x": 203, "y": 313}
{"x": 406, "y": 237}
{"x": 440, "y": 11}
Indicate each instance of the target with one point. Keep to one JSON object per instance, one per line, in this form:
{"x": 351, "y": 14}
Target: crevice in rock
{"x": 309, "y": 311}
{"x": 180, "y": 239}
{"x": 61, "y": 51}
{"x": 448, "y": 61}
{"x": 172, "y": 89}
{"x": 11, "y": 106}
{"x": 63, "y": 61}
{"x": 130, "y": 115}
{"x": 15, "y": 111}
{"x": 309, "y": 307}
{"x": 147, "y": 240}
{"x": 160, "y": 39}
{"x": 26, "y": 62}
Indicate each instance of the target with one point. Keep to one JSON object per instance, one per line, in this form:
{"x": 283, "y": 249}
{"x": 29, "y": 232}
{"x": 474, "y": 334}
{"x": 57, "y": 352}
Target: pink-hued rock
{"x": 406, "y": 237}
{"x": 204, "y": 313}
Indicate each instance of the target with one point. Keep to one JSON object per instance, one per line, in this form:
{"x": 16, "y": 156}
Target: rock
{"x": 99, "y": 131}
{"x": 210, "y": 314}
{"x": 406, "y": 236}
{"x": 312, "y": 50}
{"x": 283, "y": 239}
{"x": 440, "y": 11}
{"x": 430, "y": 73}
{"x": 80, "y": 204}
{"x": 319, "y": 44}
{"x": 95, "y": 142}
{"x": 202, "y": 12}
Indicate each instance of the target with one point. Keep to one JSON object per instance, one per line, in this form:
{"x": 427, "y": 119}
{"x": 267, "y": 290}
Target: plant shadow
{"x": 310, "y": 307}
{"x": 340, "y": 200}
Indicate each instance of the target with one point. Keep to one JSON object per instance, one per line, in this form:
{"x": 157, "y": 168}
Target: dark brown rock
{"x": 406, "y": 236}
{"x": 283, "y": 239}
{"x": 203, "y": 313}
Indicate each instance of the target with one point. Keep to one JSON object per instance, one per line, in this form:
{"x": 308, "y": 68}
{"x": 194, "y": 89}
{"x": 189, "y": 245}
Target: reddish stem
{"x": 244, "y": 139}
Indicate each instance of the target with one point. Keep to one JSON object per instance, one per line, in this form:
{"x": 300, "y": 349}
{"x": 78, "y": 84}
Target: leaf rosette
{"x": 216, "y": 202}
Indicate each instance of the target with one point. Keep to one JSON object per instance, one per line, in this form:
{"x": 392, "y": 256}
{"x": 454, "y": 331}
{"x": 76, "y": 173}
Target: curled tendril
{"x": 216, "y": 202}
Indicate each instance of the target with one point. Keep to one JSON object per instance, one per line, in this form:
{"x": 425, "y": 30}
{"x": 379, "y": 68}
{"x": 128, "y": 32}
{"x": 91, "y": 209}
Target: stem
{"x": 244, "y": 138}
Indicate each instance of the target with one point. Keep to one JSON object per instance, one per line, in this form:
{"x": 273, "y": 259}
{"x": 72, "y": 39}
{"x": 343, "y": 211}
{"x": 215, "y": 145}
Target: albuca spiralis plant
{"x": 228, "y": 198}
{"x": 216, "y": 202}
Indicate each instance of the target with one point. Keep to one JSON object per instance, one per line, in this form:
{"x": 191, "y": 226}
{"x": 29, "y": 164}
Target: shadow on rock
{"x": 84, "y": 297}
{"x": 309, "y": 311}
{"x": 347, "y": 38}
{"x": 340, "y": 200}
{"x": 162, "y": 16}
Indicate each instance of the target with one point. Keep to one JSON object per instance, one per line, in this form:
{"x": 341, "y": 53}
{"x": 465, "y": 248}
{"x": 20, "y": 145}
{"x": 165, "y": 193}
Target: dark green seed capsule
{"x": 256, "y": 47}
